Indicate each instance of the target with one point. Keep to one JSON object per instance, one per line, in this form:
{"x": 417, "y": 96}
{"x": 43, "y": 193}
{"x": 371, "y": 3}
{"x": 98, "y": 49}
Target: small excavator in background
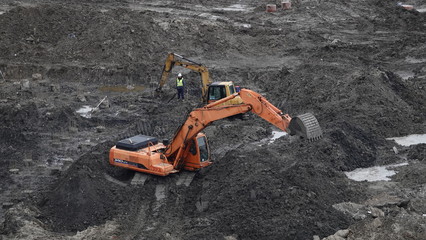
{"x": 189, "y": 148}
{"x": 210, "y": 91}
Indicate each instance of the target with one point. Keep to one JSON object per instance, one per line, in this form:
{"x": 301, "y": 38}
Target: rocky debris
{"x": 37, "y": 76}
{"x": 100, "y": 129}
{"x": 395, "y": 150}
{"x": 54, "y": 87}
{"x": 417, "y": 152}
{"x": 14, "y": 170}
{"x": 356, "y": 211}
{"x": 104, "y": 104}
{"x": 386, "y": 199}
{"x": 28, "y": 162}
{"x": 25, "y": 85}
{"x": 7, "y": 205}
{"x": 376, "y": 212}
{"x": 81, "y": 98}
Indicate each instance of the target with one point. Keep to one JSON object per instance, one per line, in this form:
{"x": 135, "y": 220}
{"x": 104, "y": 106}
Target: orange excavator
{"x": 189, "y": 148}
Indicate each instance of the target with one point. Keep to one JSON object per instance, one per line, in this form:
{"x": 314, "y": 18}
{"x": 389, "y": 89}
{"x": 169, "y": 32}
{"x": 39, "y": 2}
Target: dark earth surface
{"x": 358, "y": 66}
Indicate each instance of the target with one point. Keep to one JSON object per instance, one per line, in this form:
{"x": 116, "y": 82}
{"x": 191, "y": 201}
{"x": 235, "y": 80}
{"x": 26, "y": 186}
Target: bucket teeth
{"x": 306, "y": 126}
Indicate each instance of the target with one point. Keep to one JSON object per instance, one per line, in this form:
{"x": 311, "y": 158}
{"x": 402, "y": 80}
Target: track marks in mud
{"x": 185, "y": 178}
{"x": 163, "y": 198}
{"x": 139, "y": 179}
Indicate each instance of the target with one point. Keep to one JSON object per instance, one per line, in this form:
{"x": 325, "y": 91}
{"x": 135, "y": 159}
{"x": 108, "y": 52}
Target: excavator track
{"x": 306, "y": 126}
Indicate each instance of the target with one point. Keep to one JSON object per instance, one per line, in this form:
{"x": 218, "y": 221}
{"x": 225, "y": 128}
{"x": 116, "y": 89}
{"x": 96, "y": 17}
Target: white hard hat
{"x": 180, "y": 75}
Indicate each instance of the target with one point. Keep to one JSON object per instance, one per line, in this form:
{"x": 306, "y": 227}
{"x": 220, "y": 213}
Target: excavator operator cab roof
{"x": 229, "y": 83}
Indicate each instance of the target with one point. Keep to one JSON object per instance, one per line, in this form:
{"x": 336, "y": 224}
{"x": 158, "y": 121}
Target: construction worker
{"x": 180, "y": 84}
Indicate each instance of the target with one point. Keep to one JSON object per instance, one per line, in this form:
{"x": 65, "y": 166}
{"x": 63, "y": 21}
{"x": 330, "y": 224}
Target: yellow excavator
{"x": 189, "y": 148}
{"x": 210, "y": 91}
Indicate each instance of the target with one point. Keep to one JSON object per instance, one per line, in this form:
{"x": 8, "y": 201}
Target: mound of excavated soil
{"x": 83, "y": 197}
{"x": 417, "y": 152}
{"x": 272, "y": 193}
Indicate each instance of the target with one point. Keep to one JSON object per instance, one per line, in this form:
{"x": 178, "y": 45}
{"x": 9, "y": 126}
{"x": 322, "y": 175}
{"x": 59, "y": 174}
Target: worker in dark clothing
{"x": 180, "y": 84}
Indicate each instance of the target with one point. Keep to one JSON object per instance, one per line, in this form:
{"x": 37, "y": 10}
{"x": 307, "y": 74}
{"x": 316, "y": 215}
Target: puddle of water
{"x": 236, "y": 8}
{"x": 269, "y": 140}
{"x": 209, "y": 16}
{"x": 405, "y": 74}
{"x": 139, "y": 7}
{"x": 244, "y": 25}
{"x": 121, "y": 88}
{"x": 276, "y": 135}
{"x": 85, "y": 111}
{"x": 410, "y": 139}
{"x": 372, "y": 174}
{"x": 415, "y": 60}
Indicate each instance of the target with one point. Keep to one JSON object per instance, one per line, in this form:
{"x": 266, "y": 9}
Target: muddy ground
{"x": 359, "y": 66}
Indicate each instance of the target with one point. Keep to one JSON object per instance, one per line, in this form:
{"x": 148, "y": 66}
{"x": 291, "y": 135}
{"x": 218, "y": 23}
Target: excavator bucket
{"x": 306, "y": 126}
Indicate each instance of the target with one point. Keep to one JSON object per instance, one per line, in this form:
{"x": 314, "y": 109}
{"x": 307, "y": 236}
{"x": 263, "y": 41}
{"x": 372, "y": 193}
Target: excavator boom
{"x": 305, "y": 126}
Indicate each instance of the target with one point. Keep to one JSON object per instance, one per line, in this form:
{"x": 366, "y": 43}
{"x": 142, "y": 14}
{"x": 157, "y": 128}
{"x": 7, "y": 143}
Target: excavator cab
{"x": 219, "y": 90}
{"x": 197, "y": 154}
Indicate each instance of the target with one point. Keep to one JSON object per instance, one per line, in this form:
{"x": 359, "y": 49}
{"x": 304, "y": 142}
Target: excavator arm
{"x": 304, "y": 125}
{"x": 178, "y": 60}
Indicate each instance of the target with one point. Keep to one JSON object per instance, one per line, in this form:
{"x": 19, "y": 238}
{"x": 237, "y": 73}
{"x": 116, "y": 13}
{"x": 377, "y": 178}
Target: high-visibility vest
{"x": 179, "y": 82}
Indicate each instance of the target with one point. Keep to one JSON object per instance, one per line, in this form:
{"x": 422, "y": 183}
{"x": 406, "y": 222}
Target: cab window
{"x": 217, "y": 92}
{"x": 204, "y": 151}
{"x": 231, "y": 89}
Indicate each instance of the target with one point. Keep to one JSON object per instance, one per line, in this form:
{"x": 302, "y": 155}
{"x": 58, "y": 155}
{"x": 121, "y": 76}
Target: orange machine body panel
{"x": 152, "y": 160}
{"x": 144, "y": 160}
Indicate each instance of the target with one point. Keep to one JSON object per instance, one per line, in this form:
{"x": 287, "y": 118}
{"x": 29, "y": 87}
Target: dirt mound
{"x": 413, "y": 174}
{"x": 18, "y": 130}
{"x": 417, "y": 152}
{"x": 83, "y": 197}
{"x": 270, "y": 193}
